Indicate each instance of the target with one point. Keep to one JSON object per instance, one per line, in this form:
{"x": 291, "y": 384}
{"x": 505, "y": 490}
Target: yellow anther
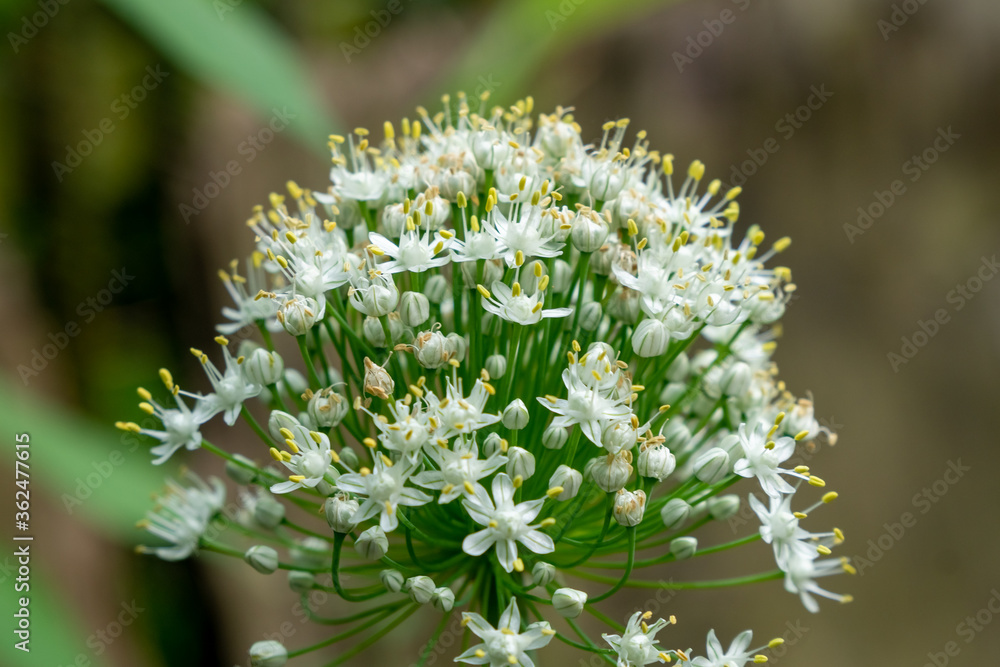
{"x": 816, "y": 481}
{"x": 800, "y": 515}
{"x": 518, "y": 565}
{"x": 839, "y": 534}
{"x": 781, "y": 244}
{"x": 633, "y": 229}
{"x": 167, "y": 378}
{"x": 518, "y": 258}
{"x": 780, "y": 418}
{"x": 461, "y": 201}
{"x": 467, "y": 485}
{"x": 554, "y": 491}
{"x": 847, "y": 599}
{"x": 492, "y": 524}
{"x": 292, "y": 446}
{"x": 375, "y": 250}
{"x": 543, "y": 283}
{"x": 597, "y": 376}
{"x": 663, "y": 408}
{"x": 759, "y": 659}
{"x": 515, "y": 290}
{"x": 696, "y": 170}
{"x": 490, "y": 389}
{"x": 147, "y": 408}
{"x": 517, "y": 481}
{"x": 776, "y": 642}
{"x": 385, "y": 459}
{"x": 802, "y": 470}
{"x": 734, "y": 193}
{"x": 334, "y": 456}
{"x": 275, "y": 454}
{"x": 143, "y": 394}
{"x": 369, "y": 443}
{"x": 285, "y": 433}
{"x": 848, "y": 568}
{"x": 545, "y": 523}
{"x": 825, "y": 550}
{"x": 830, "y": 497}
{"x": 447, "y": 488}
{"x": 296, "y": 478}
{"x": 801, "y": 434}
{"x": 483, "y": 291}
{"x": 480, "y": 653}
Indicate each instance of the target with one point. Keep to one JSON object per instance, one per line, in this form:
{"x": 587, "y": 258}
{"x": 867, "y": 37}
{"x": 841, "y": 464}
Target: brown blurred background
{"x": 711, "y": 80}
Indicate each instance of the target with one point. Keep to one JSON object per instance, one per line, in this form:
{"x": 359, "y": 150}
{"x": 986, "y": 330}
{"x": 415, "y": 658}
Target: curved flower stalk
{"x": 531, "y": 368}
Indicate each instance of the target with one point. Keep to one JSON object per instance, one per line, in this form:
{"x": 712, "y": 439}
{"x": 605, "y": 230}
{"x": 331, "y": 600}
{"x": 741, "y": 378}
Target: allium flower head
{"x": 529, "y": 368}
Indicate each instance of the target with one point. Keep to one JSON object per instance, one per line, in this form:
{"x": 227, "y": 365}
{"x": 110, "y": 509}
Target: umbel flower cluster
{"x": 531, "y": 368}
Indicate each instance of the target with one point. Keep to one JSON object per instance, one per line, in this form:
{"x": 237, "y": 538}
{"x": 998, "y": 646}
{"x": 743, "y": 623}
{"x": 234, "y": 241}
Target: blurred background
{"x": 137, "y": 134}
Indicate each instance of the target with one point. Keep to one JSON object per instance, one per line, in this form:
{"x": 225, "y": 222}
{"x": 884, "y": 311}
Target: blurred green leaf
{"x": 55, "y": 640}
{"x": 236, "y": 47}
{"x": 521, "y": 35}
{"x": 89, "y": 470}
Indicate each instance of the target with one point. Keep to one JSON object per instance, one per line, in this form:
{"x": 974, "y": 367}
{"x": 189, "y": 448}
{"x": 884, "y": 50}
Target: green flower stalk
{"x": 531, "y": 368}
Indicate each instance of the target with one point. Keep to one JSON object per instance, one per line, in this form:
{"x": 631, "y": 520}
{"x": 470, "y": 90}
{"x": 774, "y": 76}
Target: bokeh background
{"x": 117, "y": 114}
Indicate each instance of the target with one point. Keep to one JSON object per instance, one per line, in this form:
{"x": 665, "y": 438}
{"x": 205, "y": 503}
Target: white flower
{"x": 801, "y": 572}
{"x": 763, "y": 457}
{"x": 414, "y": 253}
{"x": 506, "y": 524}
{"x": 522, "y": 230}
{"x": 504, "y": 645}
{"x": 459, "y": 470}
{"x": 231, "y": 387}
{"x": 513, "y": 305}
{"x": 779, "y": 527}
{"x": 591, "y": 408}
{"x": 375, "y": 296}
{"x": 180, "y": 424}
{"x": 360, "y": 185}
{"x": 248, "y": 310}
{"x": 182, "y": 514}
{"x": 384, "y": 489}
{"x": 310, "y": 460}
{"x": 736, "y": 656}
{"x": 637, "y": 647}
{"x": 456, "y": 414}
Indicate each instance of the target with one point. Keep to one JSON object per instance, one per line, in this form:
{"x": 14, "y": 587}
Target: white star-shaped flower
{"x": 513, "y": 305}
{"x": 762, "y": 458}
{"x": 637, "y": 647}
{"x": 458, "y": 470}
{"x": 383, "y": 489}
{"x": 506, "y": 524}
{"x": 504, "y": 645}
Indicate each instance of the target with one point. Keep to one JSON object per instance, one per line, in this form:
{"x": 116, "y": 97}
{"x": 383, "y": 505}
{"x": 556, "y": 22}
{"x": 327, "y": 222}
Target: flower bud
{"x": 677, "y": 435}
{"x": 607, "y": 181}
{"x": 349, "y": 458}
{"x": 431, "y": 349}
{"x": 443, "y": 599}
{"x": 724, "y": 507}
{"x": 414, "y": 309}
{"x": 268, "y": 654}
{"x": 569, "y": 479}
{"x": 589, "y": 232}
{"x": 675, "y": 513}
{"x": 327, "y": 408}
{"x": 650, "y": 338}
{"x": 310, "y": 553}
{"x": 420, "y": 589}
{"x": 591, "y": 316}
{"x": 268, "y": 512}
{"x": 611, "y": 472}
{"x": 372, "y": 543}
{"x": 629, "y": 507}
{"x": 301, "y": 581}
{"x": 678, "y": 369}
{"x": 339, "y": 508}
{"x": 377, "y": 382}
{"x": 555, "y": 437}
{"x": 496, "y": 366}
{"x": 493, "y": 444}
{"x": 619, "y": 436}
{"x": 542, "y": 574}
{"x": 373, "y": 331}
{"x": 238, "y": 470}
{"x": 295, "y": 382}
{"x": 299, "y": 313}
{"x": 683, "y": 547}
{"x": 515, "y": 415}
{"x": 520, "y": 463}
{"x": 392, "y": 580}
{"x": 279, "y": 420}
{"x": 569, "y": 602}
{"x": 458, "y": 346}
{"x": 736, "y": 379}
{"x": 672, "y": 392}
{"x": 261, "y": 558}
{"x": 394, "y": 220}
{"x": 488, "y": 150}
{"x": 436, "y": 288}
{"x": 711, "y": 466}
{"x": 624, "y": 305}
{"x": 263, "y": 367}
{"x": 379, "y": 298}
{"x": 562, "y": 273}
{"x": 455, "y": 181}
{"x": 656, "y": 461}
